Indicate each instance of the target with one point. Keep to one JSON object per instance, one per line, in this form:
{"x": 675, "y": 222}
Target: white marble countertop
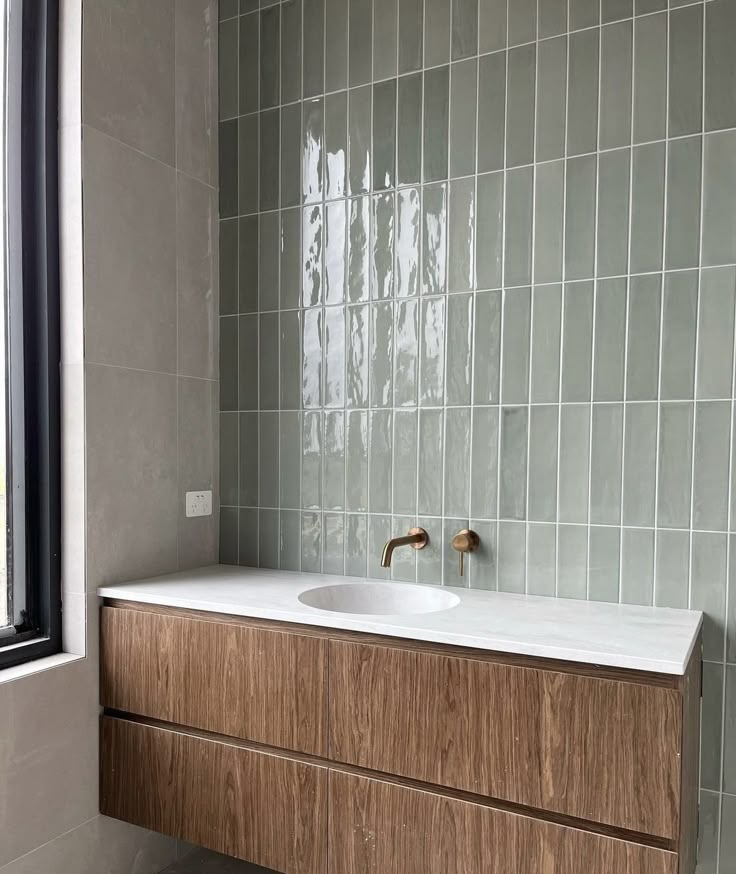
{"x": 653, "y": 639}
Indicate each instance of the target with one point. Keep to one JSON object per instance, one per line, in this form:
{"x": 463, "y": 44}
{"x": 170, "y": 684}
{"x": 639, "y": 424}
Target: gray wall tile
{"x": 580, "y": 197}
{"x": 574, "y": 458}
{"x": 493, "y": 23}
{"x": 720, "y": 66}
{"x": 637, "y": 566}
{"x": 679, "y": 322}
{"x": 577, "y": 340}
{"x": 522, "y": 22}
{"x": 672, "y": 568}
{"x": 572, "y": 561}
{"x": 552, "y": 18}
{"x": 551, "y": 96}
{"x": 546, "y": 328}
{"x": 605, "y": 465}
{"x": 613, "y": 213}
{"x": 719, "y": 194}
{"x": 514, "y": 424}
{"x": 518, "y": 237}
{"x": 516, "y": 330}
{"x": 615, "y": 96}
{"x": 385, "y": 46}
{"x": 484, "y": 463}
{"x": 410, "y": 35}
{"x": 491, "y": 108}
{"x": 686, "y": 70}
{"x": 437, "y": 36}
{"x": 708, "y": 588}
{"x": 582, "y": 89}
{"x": 643, "y": 347}
{"x": 640, "y": 454}
{"x": 457, "y": 461}
{"x": 464, "y": 28}
{"x": 436, "y": 122}
{"x": 541, "y": 560}
{"x": 610, "y": 340}
{"x": 543, "y": 430}
{"x": 710, "y": 751}
{"x": 650, "y": 78}
{"x": 715, "y": 333}
{"x": 313, "y": 46}
{"x": 683, "y": 187}
{"x": 549, "y": 201}
{"x": 521, "y": 68}
{"x": 511, "y": 557}
{"x": 604, "y": 571}
{"x": 647, "y": 207}
{"x": 463, "y": 113}
{"x": 336, "y": 37}
{"x": 674, "y": 465}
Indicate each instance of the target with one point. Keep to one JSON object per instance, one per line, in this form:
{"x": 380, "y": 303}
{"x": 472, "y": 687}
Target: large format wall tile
{"x": 129, "y": 73}
{"x": 129, "y": 256}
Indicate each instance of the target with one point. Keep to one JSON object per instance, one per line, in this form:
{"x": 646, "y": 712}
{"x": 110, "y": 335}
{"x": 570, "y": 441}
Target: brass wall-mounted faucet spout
{"x": 417, "y": 538}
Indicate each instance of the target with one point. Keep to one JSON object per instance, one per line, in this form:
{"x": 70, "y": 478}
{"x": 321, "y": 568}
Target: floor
{"x": 205, "y": 862}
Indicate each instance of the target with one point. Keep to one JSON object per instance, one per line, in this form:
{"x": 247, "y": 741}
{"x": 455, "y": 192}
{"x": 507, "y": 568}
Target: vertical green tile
{"x": 573, "y": 470}
{"x": 582, "y": 115}
{"x": 463, "y": 110}
{"x": 605, "y": 465}
{"x": 543, "y": 428}
{"x": 335, "y": 251}
{"x": 290, "y": 546}
{"x": 408, "y": 224}
{"x": 640, "y": 456}
{"x": 405, "y": 453}
{"x": 492, "y": 25}
{"x": 483, "y": 564}
{"x": 312, "y": 266}
{"x": 228, "y": 267}
{"x": 268, "y": 181}
{"x": 247, "y": 535}
{"x": 228, "y": 164}
{"x": 683, "y": 191}
{"x": 379, "y": 531}
{"x": 228, "y": 535}
{"x": 580, "y": 185}
{"x": 715, "y": 333}
{"x": 406, "y": 334}
{"x": 409, "y": 152}
{"x": 228, "y": 8}
{"x": 615, "y": 10}
{"x": 291, "y": 122}
{"x": 491, "y": 111}
{"x": 551, "y": 98}
{"x": 249, "y": 65}
{"x": 333, "y": 543}
{"x": 380, "y": 450}
{"x": 436, "y": 123}
{"x": 313, "y": 144}
{"x": 487, "y": 347}
{"x": 270, "y": 71}
{"x": 229, "y": 440}
{"x": 522, "y": 22}
{"x": 431, "y": 452}
{"x": 577, "y": 341}
{"x": 484, "y": 463}
{"x": 710, "y": 486}
{"x": 647, "y": 208}
{"x": 432, "y": 352}
{"x": 312, "y": 461}
{"x": 358, "y": 249}
{"x": 356, "y": 461}
{"x": 672, "y": 570}
{"x": 584, "y": 13}
{"x": 229, "y": 363}
{"x": 462, "y": 235}
{"x": 290, "y": 456}
{"x": 546, "y": 327}
{"x": 615, "y": 108}
{"x": 384, "y": 134}
{"x": 720, "y": 66}
{"x": 610, "y": 340}
{"x": 552, "y": 18}
{"x": 548, "y": 221}
{"x": 604, "y": 570}
{"x": 410, "y": 35}
{"x": 228, "y": 68}
{"x": 572, "y": 561}
{"x": 436, "y": 32}
{"x": 613, "y": 212}
{"x": 356, "y": 347}
{"x": 385, "y": 36}
{"x": 711, "y": 730}
{"x": 642, "y": 365}
{"x": 314, "y": 46}
{"x": 729, "y": 757}
{"x": 719, "y": 196}
{"x": 489, "y": 252}
{"x": 434, "y": 239}
{"x": 356, "y": 545}
{"x": 336, "y": 37}
{"x": 679, "y": 321}
{"x": 459, "y": 349}
{"x": 360, "y": 56}
{"x": 674, "y": 465}
{"x": 248, "y": 365}
{"x": 637, "y": 566}
{"x": 312, "y": 358}
{"x": 290, "y": 266}
{"x": 334, "y": 364}
{"x": 382, "y": 246}
{"x": 650, "y": 78}
{"x": 291, "y": 50}
{"x": 516, "y": 334}
{"x": 382, "y": 355}
{"x": 334, "y": 449}
{"x": 518, "y": 238}
{"x": 513, "y": 468}
{"x": 311, "y": 543}
{"x": 268, "y": 460}
{"x": 522, "y": 71}
{"x": 268, "y": 362}
{"x": 511, "y": 557}
{"x": 464, "y": 29}
{"x": 685, "y": 96}
{"x": 541, "y": 560}
{"x": 359, "y": 137}
{"x": 268, "y": 262}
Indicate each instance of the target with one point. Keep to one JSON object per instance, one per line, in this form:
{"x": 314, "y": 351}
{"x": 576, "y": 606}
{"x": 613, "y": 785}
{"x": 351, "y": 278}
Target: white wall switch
{"x": 199, "y": 504}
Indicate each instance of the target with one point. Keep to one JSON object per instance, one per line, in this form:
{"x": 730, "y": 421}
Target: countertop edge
{"x": 375, "y": 626}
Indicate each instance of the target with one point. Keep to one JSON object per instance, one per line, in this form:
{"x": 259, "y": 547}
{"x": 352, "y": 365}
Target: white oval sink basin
{"x": 379, "y": 599}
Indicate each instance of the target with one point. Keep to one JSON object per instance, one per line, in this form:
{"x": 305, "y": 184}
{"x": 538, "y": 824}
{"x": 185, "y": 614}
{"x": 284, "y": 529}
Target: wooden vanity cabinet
{"x": 313, "y": 751}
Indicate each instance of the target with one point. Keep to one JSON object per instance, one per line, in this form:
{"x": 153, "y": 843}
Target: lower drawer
{"x": 265, "y": 809}
{"x": 383, "y": 828}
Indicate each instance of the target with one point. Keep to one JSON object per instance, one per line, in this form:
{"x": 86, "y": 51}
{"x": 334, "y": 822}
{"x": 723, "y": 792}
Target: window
{"x": 30, "y": 606}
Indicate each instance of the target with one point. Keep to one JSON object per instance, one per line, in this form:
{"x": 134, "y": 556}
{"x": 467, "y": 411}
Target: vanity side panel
{"x": 691, "y": 692}
{"x": 250, "y": 683}
{"x": 599, "y": 750}
{"x": 264, "y": 809}
{"x": 377, "y": 826}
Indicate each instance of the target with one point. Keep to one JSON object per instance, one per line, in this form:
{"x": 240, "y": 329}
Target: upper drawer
{"x": 260, "y": 685}
{"x": 597, "y": 749}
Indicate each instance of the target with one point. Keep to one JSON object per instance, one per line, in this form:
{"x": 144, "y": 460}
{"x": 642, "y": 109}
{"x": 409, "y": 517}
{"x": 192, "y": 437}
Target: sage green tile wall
{"x": 478, "y": 266}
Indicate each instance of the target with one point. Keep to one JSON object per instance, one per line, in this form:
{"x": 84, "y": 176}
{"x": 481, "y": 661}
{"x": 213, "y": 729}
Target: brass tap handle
{"x": 465, "y": 541}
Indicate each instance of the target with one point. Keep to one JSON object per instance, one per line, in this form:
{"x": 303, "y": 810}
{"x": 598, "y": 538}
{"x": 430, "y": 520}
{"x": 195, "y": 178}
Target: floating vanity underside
{"x": 311, "y": 749}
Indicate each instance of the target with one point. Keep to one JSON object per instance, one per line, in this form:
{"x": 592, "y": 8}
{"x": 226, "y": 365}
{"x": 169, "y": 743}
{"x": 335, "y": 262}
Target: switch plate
{"x": 199, "y": 504}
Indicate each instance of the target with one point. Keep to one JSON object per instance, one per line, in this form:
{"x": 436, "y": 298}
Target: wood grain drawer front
{"x": 599, "y": 750}
{"x": 250, "y": 683}
{"x": 383, "y": 828}
{"x": 265, "y": 809}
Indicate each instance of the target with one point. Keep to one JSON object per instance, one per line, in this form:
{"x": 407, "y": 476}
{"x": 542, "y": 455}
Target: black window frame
{"x": 32, "y": 272}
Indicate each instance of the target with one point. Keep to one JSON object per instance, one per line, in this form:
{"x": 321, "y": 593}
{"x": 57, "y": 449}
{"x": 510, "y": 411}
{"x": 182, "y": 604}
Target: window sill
{"x": 36, "y": 666}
